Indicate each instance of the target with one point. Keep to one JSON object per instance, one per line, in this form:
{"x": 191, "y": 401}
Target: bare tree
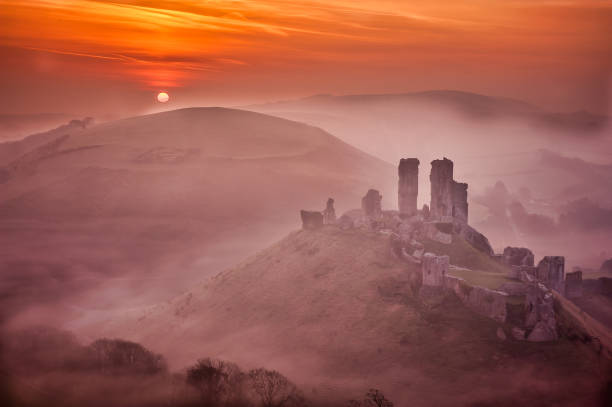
{"x": 274, "y": 389}
{"x": 217, "y": 381}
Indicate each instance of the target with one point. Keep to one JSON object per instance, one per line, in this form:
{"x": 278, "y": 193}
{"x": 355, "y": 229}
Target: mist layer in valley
{"x": 134, "y": 211}
{"x": 177, "y": 231}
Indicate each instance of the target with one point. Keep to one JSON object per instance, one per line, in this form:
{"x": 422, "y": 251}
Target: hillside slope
{"x": 124, "y": 205}
{"x": 334, "y": 310}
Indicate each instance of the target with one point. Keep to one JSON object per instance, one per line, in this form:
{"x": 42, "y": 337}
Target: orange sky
{"x": 76, "y": 54}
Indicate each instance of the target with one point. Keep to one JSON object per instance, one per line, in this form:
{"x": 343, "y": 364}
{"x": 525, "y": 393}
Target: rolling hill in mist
{"x": 335, "y": 311}
{"x": 487, "y": 136}
{"x": 140, "y": 207}
{"x": 466, "y": 104}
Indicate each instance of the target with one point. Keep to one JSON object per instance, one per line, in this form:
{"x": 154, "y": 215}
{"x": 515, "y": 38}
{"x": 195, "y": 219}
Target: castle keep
{"x": 448, "y": 197}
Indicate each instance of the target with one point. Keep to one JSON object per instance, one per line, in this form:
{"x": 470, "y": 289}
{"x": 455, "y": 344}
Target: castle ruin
{"x": 412, "y": 232}
{"x": 518, "y": 256}
{"x": 329, "y": 214}
{"x": 573, "y": 284}
{"x": 408, "y": 186}
{"x": 371, "y": 204}
{"x": 448, "y": 197}
{"x": 551, "y": 272}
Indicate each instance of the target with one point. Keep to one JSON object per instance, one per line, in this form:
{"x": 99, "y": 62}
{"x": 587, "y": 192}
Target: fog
{"x": 92, "y": 223}
{"x": 545, "y": 160}
{"x": 104, "y": 225}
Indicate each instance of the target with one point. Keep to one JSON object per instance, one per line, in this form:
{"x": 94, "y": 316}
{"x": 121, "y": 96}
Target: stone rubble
{"x": 434, "y": 269}
{"x": 540, "y": 314}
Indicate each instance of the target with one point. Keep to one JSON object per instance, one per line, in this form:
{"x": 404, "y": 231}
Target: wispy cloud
{"x": 188, "y": 36}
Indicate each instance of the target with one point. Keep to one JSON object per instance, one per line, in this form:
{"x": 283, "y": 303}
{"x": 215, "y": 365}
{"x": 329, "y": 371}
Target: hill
{"x": 490, "y": 138}
{"x": 471, "y": 105}
{"x": 334, "y": 310}
{"x": 122, "y": 206}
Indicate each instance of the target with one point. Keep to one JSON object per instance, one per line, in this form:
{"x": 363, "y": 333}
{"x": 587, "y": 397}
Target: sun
{"x": 162, "y": 97}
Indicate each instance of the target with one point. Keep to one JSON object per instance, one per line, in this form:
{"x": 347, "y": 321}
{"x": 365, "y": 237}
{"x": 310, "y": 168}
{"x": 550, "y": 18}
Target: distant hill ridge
{"x": 473, "y": 105}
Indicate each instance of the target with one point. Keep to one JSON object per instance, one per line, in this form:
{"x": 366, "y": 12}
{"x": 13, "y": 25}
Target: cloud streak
{"x": 176, "y": 43}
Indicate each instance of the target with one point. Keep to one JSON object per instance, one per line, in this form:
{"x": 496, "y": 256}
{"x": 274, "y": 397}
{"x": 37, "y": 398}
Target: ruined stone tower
{"x": 408, "y": 186}
{"x": 441, "y": 179}
{"x": 448, "y": 197}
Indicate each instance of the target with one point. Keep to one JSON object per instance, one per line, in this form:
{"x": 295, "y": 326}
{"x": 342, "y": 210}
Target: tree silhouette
{"x": 119, "y": 356}
{"x": 218, "y": 382}
{"x": 274, "y": 389}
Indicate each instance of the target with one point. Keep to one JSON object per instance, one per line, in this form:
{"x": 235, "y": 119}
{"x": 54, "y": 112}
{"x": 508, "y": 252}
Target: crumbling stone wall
{"x": 408, "y": 186}
{"x": 573, "y": 284}
{"x": 434, "y": 269}
{"x": 441, "y": 180}
{"x": 311, "y": 220}
{"x": 518, "y": 256}
{"x": 551, "y": 272}
{"x": 460, "y": 204}
{"x": 526, "y": 274}
{"x": 490, "y": 303}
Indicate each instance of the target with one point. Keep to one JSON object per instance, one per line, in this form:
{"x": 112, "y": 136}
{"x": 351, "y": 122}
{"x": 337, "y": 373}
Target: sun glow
{"x": 163, "y": 97}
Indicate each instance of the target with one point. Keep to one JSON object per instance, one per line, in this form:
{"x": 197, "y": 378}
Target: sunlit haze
{"x": 553, "y": 53}
{"x": 306, "y": 203}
